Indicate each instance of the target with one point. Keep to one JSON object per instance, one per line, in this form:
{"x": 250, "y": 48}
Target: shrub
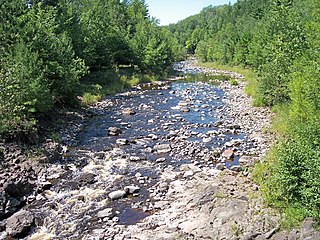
{"x": 24, "y": 91}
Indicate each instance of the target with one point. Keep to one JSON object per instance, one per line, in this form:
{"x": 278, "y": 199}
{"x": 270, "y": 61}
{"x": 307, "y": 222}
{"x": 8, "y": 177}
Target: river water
{"x": 161, "y": 128}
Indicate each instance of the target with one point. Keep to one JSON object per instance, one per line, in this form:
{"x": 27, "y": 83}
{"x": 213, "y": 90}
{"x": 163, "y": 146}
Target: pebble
{"x": 134, "y": 158}
{"x": 207, "y": 139}
{"x": 122, "y": 141}
{"x": 219, "y": 166}
{"x": 117, "y": 194}
{"x": 185, "y": 109}
{"x": 160, "y": 160}
{"x": 114, "y": 131}
{"x": 128, "y": 111}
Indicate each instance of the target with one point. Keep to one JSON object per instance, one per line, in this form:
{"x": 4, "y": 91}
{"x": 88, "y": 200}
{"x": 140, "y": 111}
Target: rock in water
{"x": 122, "y": 141}
{"x": 19, "y": 223}
{"x": 114, "y": 131}
{"x": 106, "y": 213}
{"x": 228, "y": 154}
{"x": 207, "y": 139}
{"x": 183, "y": 103}
{"x": 117, "y": 194}
{"x": 162, "y": 148}
{"x": 185, "y": 109}
{"x": 160, "y": 160}
{"x": 128, "y": 111}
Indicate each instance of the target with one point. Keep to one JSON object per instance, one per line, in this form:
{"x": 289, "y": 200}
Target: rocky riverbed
{"x": 167, "y": 160}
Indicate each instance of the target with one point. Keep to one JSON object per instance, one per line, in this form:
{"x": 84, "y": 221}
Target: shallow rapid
{"x": 118, "y": 170}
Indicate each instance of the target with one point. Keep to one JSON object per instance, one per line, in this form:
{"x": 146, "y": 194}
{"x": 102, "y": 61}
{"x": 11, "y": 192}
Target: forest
{"x": 51, "y": 49}
{"x": 280, "y": 41}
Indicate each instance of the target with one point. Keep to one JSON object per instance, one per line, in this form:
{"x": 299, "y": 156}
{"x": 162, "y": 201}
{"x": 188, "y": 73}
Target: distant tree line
{"x": 280, "y": 40}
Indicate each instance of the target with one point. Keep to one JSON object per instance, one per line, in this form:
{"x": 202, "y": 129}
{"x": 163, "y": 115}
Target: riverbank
{"x": 177, "y": 167}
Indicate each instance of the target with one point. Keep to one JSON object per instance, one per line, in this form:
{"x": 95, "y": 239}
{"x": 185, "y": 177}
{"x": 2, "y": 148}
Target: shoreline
{"x": 209, "y": 203}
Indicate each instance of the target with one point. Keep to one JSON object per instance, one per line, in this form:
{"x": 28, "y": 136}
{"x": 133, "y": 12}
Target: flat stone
{"x": 294, "y": 235}
{"x": 19, "y": 223}
{"x": 106, "y": 213}
{"x": 207, "y": 139}
{"x": 160, "y": 160}
{"x": 244, "y": 159}
{"x": 188, "y": 173}
{"x": 117, "y": 194}
{"x": 162, "y": 148}
{"x": 228, "y": 154}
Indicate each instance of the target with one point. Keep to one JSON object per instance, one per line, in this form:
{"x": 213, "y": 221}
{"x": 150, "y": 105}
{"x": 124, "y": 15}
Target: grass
{"x": 97, "y": 85}
{"x": 249, "y": 75}
{"x": 280, "y": 121}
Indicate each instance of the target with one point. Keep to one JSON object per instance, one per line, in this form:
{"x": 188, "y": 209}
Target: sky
{"x": 171, "y": 11}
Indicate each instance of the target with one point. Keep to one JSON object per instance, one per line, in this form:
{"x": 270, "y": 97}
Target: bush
{"x": 24, "y": 91}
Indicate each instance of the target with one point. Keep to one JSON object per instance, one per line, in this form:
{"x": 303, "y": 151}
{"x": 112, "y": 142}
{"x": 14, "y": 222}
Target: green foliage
{"x": 24, "y": 91}
{"x": 292, "y": 178}
{"x": 89, "y": 98}
{"x": 234, "y": 82}
{"x": 280, "y": 41}
{"x": 48, "y": 46}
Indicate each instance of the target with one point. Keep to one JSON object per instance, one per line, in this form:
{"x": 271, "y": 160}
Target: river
{"x": 121, "y": 168}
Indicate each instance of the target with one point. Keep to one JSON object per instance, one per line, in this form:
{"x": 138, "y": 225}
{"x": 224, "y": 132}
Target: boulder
{"x": 19, "y": 186}
{"x": 183, "y": 103}
{"x": 106, "y": 213}
{"x": 134, "y": 158}
{"x": 86, "y": 178}
{"x": 19, "y": 223}
{"x": 117, "y": 194}
{"x": 207, "y": 139}
{"x": 52, "y": 152}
